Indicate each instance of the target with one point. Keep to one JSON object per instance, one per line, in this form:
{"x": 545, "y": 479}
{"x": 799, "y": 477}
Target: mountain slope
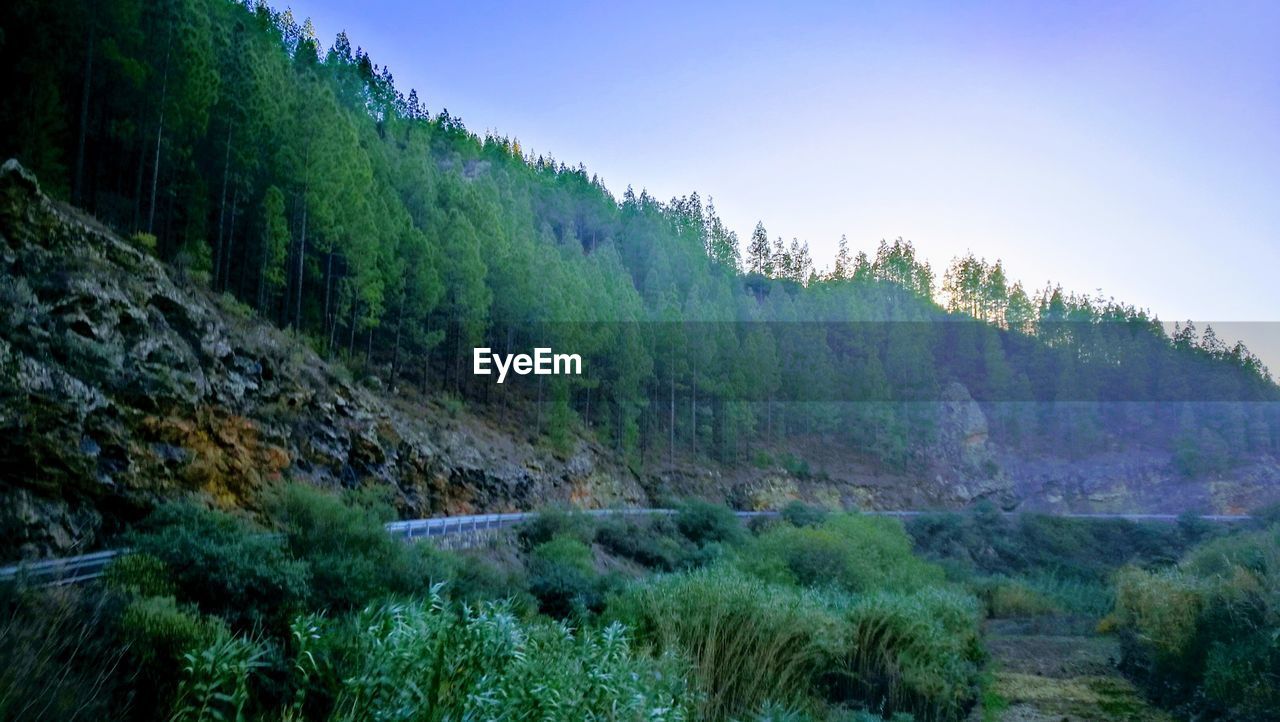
{"x": 120, "y": 386}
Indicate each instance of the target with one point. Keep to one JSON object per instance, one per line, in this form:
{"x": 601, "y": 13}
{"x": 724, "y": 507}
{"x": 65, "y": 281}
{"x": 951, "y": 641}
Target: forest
{"x": 294, "y": 175}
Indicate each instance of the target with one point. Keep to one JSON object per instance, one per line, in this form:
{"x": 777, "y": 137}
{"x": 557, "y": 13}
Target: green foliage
{"x": 750, "y": 643}
{"x": 798, "y": 513}
{"x": 550, "y": 523}
{"x": 430, "y": 661}
{"x": 652, "y": 542}
{"x": 854, "y": 552}
{"x": 703, "y": 522}
{"x": 226, "y": 565}
{"x": 350, "y": 557}
{"x": 158, "y": 631}
{"x": 796, "y": 466}
{"x": 139, "y": 574}
{"x": 563, "y": 578}
{"x": 213, "y": 681}
{"x": 1204, "y": 633}
{"x": 919, "y": 653}
{"x": 1004, "y": 598}
{"x": 144, "y": 241}
{"x": 985, "y": 542}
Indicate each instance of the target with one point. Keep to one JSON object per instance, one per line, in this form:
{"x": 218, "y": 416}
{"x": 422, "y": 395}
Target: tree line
{"x": 303, "y": 182}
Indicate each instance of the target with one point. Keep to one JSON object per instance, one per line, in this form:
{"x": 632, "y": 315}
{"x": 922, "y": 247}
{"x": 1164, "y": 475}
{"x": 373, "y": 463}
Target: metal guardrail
{"x": 73, "y": 570}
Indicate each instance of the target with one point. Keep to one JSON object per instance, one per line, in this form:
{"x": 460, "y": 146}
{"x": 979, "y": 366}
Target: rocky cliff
{"x": 120, "y": 386}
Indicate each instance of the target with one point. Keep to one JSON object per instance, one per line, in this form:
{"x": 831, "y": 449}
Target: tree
{"x": 759, "y": 254}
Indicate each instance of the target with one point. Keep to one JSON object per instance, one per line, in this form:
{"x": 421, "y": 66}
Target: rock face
{"x": 119, "y": 386}
{"x": 968, "y": 463}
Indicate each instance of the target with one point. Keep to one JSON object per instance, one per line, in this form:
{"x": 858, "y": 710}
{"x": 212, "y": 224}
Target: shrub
{"x": 749, "y": 642}
{"x": 798, "y": 513}
{"x": 350, "y": 558}
{"x": 702, "y": 522}
{"x": 987, "y": 542}
{"x": 139, "y": 574}
{"x": 762, "y": 460}
{"x": 795, "y": 466}
{"x": 476, "y": 579}
{"x": 482, "y": 663}
{"x": 145, "y": 242}
{"x": 918, "y": 653}
{"x": 551, "y": 523}
{"x": 224, "y": 564}
{"x": 562, "y": 577}
{"x": 157, "y": 631}
{"x": 1204, "y": 633}
{"x": 1004, "y": 598}
{"x": 651, "y": 543}
{"x": 854, "y": 552}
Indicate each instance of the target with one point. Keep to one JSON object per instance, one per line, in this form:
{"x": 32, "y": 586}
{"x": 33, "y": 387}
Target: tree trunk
{"x": 673, "y": 405}
{"x": 222, "y": 208}
{"x": 302, "y": 254}
{"x": 155, "y": 170}
{"x": 395, "y": 346}
{"x": 328, "y": 287}
{"x": 231, "y": 234}
{"x": 77, "y": 193}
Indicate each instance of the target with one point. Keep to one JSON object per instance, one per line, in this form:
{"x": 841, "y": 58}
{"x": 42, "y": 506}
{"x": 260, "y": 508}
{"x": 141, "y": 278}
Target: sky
{"x": 1127, "y": 148}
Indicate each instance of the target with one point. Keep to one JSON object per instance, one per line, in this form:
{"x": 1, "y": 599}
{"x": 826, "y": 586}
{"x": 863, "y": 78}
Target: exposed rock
{"x": 967, "y": 464}
{"x": 119, "y": 387}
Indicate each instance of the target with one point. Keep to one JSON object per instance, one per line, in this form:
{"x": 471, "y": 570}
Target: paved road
{"x": 73, "y": 570}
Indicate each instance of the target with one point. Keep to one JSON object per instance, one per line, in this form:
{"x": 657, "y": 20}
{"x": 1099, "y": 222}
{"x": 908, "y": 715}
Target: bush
{"x": 563, "y": 578}
{"x": 652, "y": 542}
{"x": 550, "y": 523}
{"x": 224, "y": 564}
{"x": 140, "y": 575}
{"x": 987, "y": 542}
{"x": 350, "y": 558}
{"x": 482, "y": 663}
{"x": 854, "y": 552}
{"x": 1204, "y": 633}
{"x": 798, "y": 513}
{"x": 1004, "y": 598}
{"x": 918, "y": 653}
{"x": 750, "y": 643}
{"x": 702, "y": 522}
{"x": 157, "y": 631}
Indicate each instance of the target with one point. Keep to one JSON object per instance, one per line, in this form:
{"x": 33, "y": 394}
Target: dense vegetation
{"x": 321, "y": 615}
{"x": 1205, "y": 634}
{"x": 305, "y": 183}
{"x": 312, "y": 611}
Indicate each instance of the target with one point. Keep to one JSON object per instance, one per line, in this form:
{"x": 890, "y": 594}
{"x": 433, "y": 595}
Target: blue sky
{"x": 1132, "y": 147}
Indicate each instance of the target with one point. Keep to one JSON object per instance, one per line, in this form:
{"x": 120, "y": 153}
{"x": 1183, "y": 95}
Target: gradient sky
{"x": 1130, "y": 147}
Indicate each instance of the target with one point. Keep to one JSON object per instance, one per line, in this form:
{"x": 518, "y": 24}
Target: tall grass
{"x": 58, "y": 659}
{"x": 918, "y": 653}
{"x": 750, "y": 642}
{"x": 430, "y": 661}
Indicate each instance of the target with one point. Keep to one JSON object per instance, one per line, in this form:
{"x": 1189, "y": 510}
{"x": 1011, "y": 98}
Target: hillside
{"x": 122, "y": 385}
{"x": 312, "y": 257}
